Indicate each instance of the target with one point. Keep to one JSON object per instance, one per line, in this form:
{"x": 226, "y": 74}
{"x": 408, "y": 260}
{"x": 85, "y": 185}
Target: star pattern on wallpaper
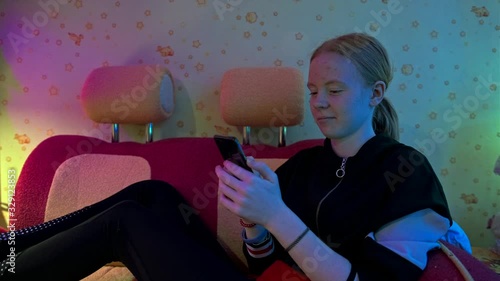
{"x": 453, "y": 160}
{"x": 444, "y": 172}
{"x": 68, "y": 67}
{"x": 139, "y": 25}
{"x": 199, "y": 67}
{"x": 319, "y": 18}
{"x": 480, "y": 11}
{"x": 53, "y": 91}
{"x": 406, "y": 47}
{"x": 298, "y": 36}
{"x": 200, "y": 106}
{"x": 452, "y": 134}
{"x": 22, "y": 139}
{"x": 104, "y": 16}
{"x": 407, "y": 69}
{"x": 251, "y": 17}
{"x": 89, "y": 26}
{"x": 196, "y": 44}
{"x": 222, "y": 130}
{"x": 434, "y": 34}
{"x": 78, "y": 4}
{"x": 77, "y": 38}
{"x": 247, "y": 34}
{"x": 469, "y": 198}
{"x": 165, "y": 51}
{"x": 415, "y": 24}
{"x": 433, "y": 115}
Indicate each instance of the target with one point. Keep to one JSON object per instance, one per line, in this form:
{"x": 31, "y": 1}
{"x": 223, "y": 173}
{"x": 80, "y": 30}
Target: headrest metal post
{"x": 282, "y": 137}
{"x": 115, "y": 134}
{"x": 149, "y": 132}
{"x": 246, "y": 135}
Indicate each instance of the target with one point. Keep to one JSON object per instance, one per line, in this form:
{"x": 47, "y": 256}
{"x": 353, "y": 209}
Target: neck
{"x": 350, "y": 145}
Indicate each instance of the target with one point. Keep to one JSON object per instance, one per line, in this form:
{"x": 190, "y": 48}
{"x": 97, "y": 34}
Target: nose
{"x": 319, "y": 100}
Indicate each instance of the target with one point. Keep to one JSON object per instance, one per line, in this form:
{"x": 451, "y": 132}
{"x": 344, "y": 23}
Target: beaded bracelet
{"x": 248, "y": 225}
{"x": 297, "y": 240}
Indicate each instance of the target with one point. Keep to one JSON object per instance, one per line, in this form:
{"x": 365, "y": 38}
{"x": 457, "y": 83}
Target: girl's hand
{"x": 253, "y": 197}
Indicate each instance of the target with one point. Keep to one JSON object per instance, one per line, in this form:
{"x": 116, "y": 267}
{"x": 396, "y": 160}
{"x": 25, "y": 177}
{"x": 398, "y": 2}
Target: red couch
{"x": 186, "y": 163}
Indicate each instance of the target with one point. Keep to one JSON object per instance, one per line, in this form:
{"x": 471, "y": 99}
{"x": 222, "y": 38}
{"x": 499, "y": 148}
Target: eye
{"x": 335, "y": 92}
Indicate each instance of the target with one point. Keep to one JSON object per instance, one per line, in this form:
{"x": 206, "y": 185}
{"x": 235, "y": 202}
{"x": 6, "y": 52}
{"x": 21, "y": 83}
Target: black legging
{"x": 145, "y": 226}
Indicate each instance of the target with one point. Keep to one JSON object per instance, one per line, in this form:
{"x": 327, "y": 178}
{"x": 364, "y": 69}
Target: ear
{"x": 378, "y": 92}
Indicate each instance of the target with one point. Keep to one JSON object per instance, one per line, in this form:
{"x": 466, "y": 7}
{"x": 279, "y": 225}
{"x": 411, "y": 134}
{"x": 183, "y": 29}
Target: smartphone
{"x": 230, "y": 149}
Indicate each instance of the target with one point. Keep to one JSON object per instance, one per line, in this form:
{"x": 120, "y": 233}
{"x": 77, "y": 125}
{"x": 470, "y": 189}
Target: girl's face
{"x": 340, "y": 101}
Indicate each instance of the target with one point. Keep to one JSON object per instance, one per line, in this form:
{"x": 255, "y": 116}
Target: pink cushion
{"x": 86, "y": 179}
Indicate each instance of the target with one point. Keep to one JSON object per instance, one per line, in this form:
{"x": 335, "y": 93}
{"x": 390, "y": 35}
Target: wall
{"x": 445, "y": 56}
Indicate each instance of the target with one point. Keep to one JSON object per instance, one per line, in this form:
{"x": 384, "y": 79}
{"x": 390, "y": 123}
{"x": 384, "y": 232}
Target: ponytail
{"x": 385, "y": 120}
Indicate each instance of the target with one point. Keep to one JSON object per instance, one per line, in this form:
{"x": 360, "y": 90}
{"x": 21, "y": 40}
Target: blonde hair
{"x": 371, "y": 60}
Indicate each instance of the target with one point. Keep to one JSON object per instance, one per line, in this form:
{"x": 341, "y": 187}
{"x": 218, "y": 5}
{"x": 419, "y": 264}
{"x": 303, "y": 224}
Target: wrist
{"x": 246, "y": 224}
{"x": 281, "y": 217}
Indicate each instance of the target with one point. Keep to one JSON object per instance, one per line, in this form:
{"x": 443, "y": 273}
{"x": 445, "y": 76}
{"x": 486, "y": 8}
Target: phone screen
{"x": 231, "y": 150}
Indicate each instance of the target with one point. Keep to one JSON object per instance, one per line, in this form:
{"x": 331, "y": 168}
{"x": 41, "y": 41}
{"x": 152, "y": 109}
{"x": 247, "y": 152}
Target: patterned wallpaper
{"x": 445, "y": 55}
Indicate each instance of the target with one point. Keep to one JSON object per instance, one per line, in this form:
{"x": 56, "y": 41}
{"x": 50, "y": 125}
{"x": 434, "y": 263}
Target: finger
{"x": 237, "y": 171}
{"x": 228, "y": 191}
{"x": 264, "y": 170}
{"x": 250, "y": 158}
{"x": 227, "y": 203}
{"x": 225, "y": 176}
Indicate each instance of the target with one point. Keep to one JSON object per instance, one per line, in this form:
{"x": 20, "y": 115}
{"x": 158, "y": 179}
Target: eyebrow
{"x": 328, "y": 83}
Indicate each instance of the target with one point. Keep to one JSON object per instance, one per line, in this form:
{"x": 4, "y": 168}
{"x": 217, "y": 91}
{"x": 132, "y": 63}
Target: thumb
{"x": 262, "y": 169}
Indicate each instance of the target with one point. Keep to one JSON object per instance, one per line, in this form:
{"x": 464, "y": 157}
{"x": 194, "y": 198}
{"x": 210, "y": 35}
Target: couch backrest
{"x": 186, "y": 163}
